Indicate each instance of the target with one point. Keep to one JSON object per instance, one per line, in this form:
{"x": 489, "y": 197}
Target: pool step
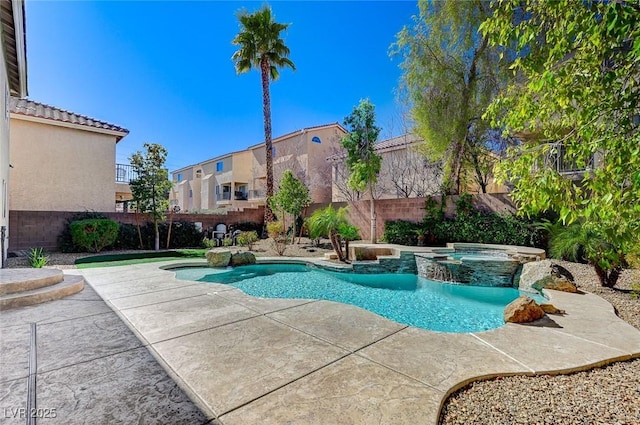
{"x": 23, "y": 287}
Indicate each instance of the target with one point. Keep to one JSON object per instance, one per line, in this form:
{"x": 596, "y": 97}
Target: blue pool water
{"x": 404, "y": 298}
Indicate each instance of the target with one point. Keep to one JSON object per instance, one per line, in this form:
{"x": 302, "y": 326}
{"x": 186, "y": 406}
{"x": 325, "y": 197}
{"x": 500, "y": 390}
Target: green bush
{"x": 65, "y": 240}
{"x": 248, "y": 226}
{"x": 184, "y": 234}
{"x": 93, "y": 235}
{"x": 469, "y": 225}
{"x": 127, "y": 237}
{"x": 247, "y": 239}
{"x": 492, "y": 228}
{"x": 401, "y": 232}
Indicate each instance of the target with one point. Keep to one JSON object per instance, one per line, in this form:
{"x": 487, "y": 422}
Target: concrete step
{"x": 19, "y": 280}
{"x": 70, "y": 285}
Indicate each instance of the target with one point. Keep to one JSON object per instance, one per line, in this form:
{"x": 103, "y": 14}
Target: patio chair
{"x": 220, "y": 234}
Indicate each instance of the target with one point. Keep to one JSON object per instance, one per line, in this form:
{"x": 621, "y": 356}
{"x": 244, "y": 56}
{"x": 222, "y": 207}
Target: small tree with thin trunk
{"x": 363, "y": 162}
{"x": 150, "y": 189}
{"x": 291, "y": 198}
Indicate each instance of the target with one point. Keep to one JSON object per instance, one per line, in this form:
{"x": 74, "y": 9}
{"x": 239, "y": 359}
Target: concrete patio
{"x": 273, "y": 361}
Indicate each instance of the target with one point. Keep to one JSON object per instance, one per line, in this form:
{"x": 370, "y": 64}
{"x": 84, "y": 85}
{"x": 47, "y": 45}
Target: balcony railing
{"x": 256, "y": 194}
{"x": 125, "y": 173}
{"x": 559, "y": 160}
{"x": 224, "y": 196}
{"x": 239, "y": 195}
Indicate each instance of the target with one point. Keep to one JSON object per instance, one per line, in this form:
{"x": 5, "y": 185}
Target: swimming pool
{"x": 403, "y": 298}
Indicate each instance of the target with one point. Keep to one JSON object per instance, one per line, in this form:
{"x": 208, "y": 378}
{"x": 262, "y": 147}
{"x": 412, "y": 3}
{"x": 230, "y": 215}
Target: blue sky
{"x": 163, "y": 70}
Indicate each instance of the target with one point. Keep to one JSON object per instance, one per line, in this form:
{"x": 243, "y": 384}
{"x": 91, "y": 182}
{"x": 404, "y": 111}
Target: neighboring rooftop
{"x": 385, "y": 145}
{"x": 34, "y": 109}
{"x": 13, "y": 36}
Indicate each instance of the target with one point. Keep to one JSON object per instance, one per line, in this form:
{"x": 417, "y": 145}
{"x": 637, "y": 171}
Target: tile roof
{"x": 384, "y": 145}
{"x": 40, "y": 110}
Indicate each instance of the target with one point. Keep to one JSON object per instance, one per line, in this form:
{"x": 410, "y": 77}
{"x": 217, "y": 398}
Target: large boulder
{"x": 242, "y": 259}
{"x": 218, "y": 257}
{"x": 546, "y": 274}
{"x": 523, "y": 310}
{"x": 555, "y": 283}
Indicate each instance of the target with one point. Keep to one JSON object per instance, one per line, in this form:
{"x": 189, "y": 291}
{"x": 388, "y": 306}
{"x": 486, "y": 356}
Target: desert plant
{"x": 208, "y": 243}
{"x": 579, "y": 243}
{"x": 37, "y": 259}
{"x": 247, "y": 239}
{"x": 275, "y": 230}
{"x": 94, "y": 234}
{"x": 327, "y": 222}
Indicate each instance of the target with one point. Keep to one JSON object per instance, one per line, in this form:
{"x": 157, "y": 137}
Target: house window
{"x": 198, "y": 174}
{"x": 273, "y": 151}
{"x": 219, "y": 166}
{"x": 179, "y": 177}
{"x": 190, "y": 193}
{"x": 316, "y": 139}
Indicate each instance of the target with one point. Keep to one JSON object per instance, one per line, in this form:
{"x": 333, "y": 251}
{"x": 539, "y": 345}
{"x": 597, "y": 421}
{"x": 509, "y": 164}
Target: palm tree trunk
{"x": 266, "y": 109}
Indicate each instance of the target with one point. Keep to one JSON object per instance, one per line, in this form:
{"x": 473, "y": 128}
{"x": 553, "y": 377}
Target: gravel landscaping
{"x": 607, "y": 395}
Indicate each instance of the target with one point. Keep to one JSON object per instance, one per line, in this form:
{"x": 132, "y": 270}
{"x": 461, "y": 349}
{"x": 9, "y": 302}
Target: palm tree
{"x": 261, "y": 47}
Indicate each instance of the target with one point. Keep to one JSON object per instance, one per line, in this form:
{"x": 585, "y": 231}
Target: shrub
{"x": 247, "y": 239}
{"x": 93, "y": 235}
{"x": 208, "y": 243}
{"x": 401, "y": 232}
{"x": 65, "y": 240}
{"x": 127, "y": 237}
{"x": 37, "y": 259}
{"x": 184, "y": 234}
{"x": 276, "y": 231}
{"x": 248, "y": 226}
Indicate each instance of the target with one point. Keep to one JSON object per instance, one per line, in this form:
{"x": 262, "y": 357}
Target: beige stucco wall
{"x": 247, "y": 168}
{"x": 60, "y": 169}
{"x": 4, "y": 147}
{"x": 319, "y": 174}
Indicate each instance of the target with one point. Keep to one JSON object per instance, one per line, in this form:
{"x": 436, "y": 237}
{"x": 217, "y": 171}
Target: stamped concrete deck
{"x": 273, "y": 361}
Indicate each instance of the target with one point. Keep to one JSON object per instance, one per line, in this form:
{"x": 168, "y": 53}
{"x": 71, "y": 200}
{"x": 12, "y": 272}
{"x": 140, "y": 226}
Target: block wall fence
{"x": 29, "y": 229}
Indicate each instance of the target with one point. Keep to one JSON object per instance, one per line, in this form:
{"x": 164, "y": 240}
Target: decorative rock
{"x": 218, "y": 257}
{"x": 546, "y": 274}
{"x": 242, "y": 258}
{"x": 551, "y": 309}
{"x": 557, "y": 284}
{"x": 523, "y": 310}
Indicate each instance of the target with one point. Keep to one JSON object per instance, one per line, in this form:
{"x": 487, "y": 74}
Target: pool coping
{"x": 432, "y": 364}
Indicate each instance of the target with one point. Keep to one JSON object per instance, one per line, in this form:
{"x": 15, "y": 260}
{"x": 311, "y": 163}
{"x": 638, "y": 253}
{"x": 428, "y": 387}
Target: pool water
{"x": 403, "y": 298}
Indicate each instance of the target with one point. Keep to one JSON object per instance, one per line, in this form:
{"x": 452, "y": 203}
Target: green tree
{"x": 581, "y": 91}
{"x": 362, "y": 161}
{"x": 450, "y": 74}
{"x": 261, "y": 47}
{"x": 150, "y": 190}
{"x": 292, "y": 197}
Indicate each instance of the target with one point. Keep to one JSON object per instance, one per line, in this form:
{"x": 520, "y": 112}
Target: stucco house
{"x": 238, "y": 179}
{"x": 13, "y": 82}
{"x": 60, "y": 160}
